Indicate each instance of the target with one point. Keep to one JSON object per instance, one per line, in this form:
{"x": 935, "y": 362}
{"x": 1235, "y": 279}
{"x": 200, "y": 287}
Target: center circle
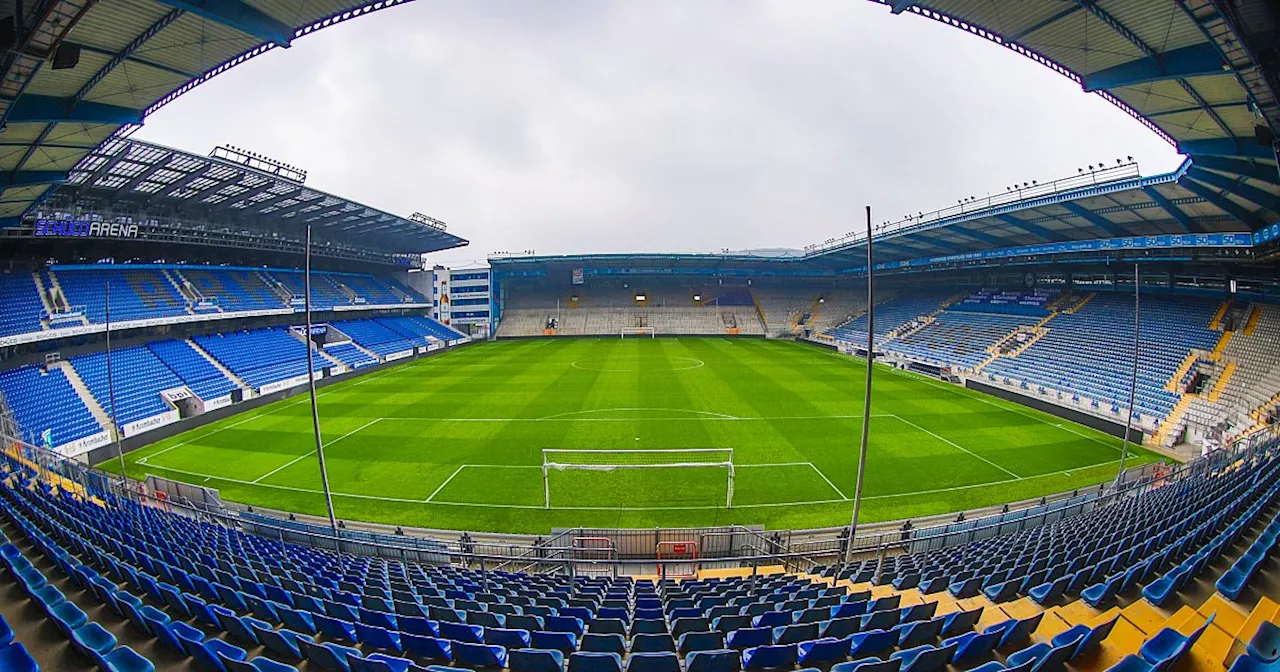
{"x": 628, "y": 364}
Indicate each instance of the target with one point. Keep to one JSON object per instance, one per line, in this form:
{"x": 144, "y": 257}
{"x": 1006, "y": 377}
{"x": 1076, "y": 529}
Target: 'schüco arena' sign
{"x": 73, "y": 229}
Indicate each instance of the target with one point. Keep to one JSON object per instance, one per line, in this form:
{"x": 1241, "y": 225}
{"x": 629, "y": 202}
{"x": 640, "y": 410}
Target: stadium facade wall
{"x": 129, "y": 444}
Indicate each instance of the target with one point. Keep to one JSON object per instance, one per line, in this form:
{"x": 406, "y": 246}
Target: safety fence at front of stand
{"x": 664, "y": 552}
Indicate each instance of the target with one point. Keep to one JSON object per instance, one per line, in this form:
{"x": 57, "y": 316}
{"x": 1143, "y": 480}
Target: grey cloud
{"x": 586, "y": 126}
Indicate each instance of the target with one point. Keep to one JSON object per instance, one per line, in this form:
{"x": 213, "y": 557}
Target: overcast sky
{"x": 569, "y": 126}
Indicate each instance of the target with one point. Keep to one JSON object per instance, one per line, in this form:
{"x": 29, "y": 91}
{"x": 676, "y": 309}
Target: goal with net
{"x": 638, "y": 331}
{"x": 563, "y": 459}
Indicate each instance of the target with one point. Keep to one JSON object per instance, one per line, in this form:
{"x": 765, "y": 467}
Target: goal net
{"x": 638, "y": 332}
{"x": 561, "y": 459}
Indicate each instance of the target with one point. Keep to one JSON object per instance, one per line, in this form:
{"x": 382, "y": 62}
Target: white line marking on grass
{"x": 255, "y": 416}
{"x": 697, "y": 364}
{"x": 607, "y": 508}
{"x": 716, "y": 417}
{"x": 629, "y": 409}
{"x": 833, "y": 485}
{"x": 958, "y": 446}
{"x": 1066, "y": 472}
{"x": 309, "y": 453}
{"x": 1013, "y": 406}
{"x": 446, "y": 482}
{"x": 282, "y": 467}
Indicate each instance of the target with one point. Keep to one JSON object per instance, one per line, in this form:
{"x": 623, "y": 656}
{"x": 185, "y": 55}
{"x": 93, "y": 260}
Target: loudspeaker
{"x": 66, "y": 56}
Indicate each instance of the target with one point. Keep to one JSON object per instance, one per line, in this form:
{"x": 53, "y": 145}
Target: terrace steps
{"x": 218, "y": 365}
{"x": 1216, "y": 322}
{"x": 44, "y": 299}
{"x": 186, "y": 291}
{"x": 334, "y": 361}
{"x": 1221, "y": 383}
{"x": 1171, "y": 385}
{"x": 1221, "y": 345}
{"x": 276, "y": 287}
{"x": 1072, "y": 310}
{"x": 1255, "y": 315}
{"x": 1172, "y": 424}
{"x": 95, "y": 409}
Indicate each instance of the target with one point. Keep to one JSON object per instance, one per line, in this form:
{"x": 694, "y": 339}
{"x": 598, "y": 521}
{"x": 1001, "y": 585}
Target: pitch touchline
{"x": 617, "y": 508}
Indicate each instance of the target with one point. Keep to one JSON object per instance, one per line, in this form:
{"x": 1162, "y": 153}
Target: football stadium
{"x": 252, "y": 425}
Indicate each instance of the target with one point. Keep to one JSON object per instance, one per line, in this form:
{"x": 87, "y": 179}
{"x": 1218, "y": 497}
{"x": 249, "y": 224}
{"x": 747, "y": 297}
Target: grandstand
{"x": 163, "y": 501}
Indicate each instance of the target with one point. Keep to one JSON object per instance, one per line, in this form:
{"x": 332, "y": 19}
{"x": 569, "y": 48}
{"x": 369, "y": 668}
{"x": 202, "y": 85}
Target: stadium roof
{"x": 133, "y": 171}
{"x": 135, "y": 56}
{"x": 1191, "y": 70}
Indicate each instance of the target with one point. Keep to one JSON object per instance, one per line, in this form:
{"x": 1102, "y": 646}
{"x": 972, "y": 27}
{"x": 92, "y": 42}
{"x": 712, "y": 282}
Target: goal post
{"x": 638, "y": 331}
{"x": 565, "y": 459}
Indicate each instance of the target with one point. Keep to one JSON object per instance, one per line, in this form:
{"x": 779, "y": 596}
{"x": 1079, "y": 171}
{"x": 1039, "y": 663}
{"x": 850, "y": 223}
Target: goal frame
{"x": 637, "y": 331}
{"x": 549, "y": 465}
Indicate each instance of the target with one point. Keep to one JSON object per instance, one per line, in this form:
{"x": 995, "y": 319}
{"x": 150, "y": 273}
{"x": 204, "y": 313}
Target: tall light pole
{"x": 866, "y": 394}
{"x": 311, "y": 383}
{"x": 111, "y": 388}
{"x": 1133, "y": 381}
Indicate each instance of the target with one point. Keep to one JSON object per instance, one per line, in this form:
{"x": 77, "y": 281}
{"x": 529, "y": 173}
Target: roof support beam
{"x": 26, "y": 178}
{"x": 282, "y": 212}
{"x": 146, "y": 174}
{"x": 246, "y": 195}
{"x": 213, "y": 188}
{"x": 1093, "y": 218}
{"x": 1253, "y": 194}
{"x": 238, "y": 15}
{"x": 1189, "y": 225}
{"x": 1192, "y": 61}
{"x": 317, "y": 215}
{"x": 1034, "y": 229}
{"x": 125, "y": 53}
{"x": 979, "y": 236}
{"x": 180, "y": 184}
{"x": 1226, "y": 147}
{"x": 1197, "y": 108}
{"x": 141, "y": 61}
{"x": 1249, "y": 169}
{"x": 51, "y": 109}
{"x": 105, "y": 168}
{"x": 900, "y": 6}
{"x": 273, "y": 200}
{"x": 1247, "y": 218}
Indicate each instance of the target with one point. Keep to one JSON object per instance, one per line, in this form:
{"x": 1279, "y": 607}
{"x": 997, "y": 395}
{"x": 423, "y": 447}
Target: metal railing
{"x": 729, "y": 546}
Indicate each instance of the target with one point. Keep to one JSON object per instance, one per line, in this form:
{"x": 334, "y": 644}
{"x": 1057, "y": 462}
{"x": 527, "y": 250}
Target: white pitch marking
{"x": 309, "y": 453}
{"x": 632, "y": 409}
{"x": 606, "y": 508}
{"x": 959, "y": 447}
{"x": 446, "y": 482}
{"x": 824, "y": 477}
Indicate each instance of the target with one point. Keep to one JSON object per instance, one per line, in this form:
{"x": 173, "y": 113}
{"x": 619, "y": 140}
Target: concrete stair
{"x": 1216, "y": 323}
{"x": 1172, "y": 424}
{"x": 1171, "y": 385}
{"x": 44, "y": 298}
{"x": 1255, "y": 314}
{"x": 1072, "y": 310}
{"x": 218, "y": 365}
{"x": 1221, "y": 383}
{"x": 95, "y": 409}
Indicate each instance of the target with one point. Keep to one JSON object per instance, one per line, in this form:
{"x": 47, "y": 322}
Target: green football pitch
{"x": 456, "y": 440}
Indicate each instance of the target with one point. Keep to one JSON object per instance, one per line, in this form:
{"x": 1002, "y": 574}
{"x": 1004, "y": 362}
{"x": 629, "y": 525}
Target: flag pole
{"x": 866, "y": 394}
{"x": 311, "y": 384}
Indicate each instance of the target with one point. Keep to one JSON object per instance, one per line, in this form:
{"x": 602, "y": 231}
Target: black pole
{"x": 1133, "y": 381}
{"x": 315, "y": 410}
{"x": 111, "y": 386}
{"x": 866, "y": 395}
